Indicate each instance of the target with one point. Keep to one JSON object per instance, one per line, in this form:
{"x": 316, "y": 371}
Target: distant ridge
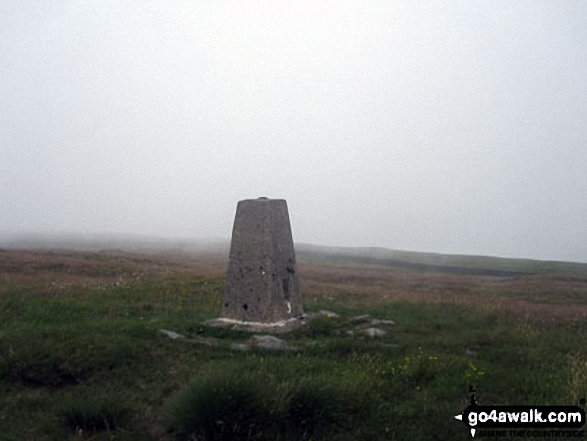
{"x": 423, "y": 267}
{"x": 436, "y": 262}
{"x": 306, "y": 253}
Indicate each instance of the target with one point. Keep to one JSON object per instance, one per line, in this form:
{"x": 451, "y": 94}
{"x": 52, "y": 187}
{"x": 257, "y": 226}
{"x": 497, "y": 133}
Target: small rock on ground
{"x": 472, "y": 351}
{"x": 373, "y": 332}
{"x": 328, "y": 314}
{"x": 359, "y": 319}
{"x": 269, "y": 342}
{"x": 378, "y": 322}
{"x": 172, "y": 335}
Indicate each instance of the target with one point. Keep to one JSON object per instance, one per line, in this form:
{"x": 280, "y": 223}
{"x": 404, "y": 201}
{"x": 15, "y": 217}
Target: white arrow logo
{"x": 460, "y": 418}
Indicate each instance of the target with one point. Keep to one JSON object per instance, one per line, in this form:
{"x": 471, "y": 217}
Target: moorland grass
{"x": 92, "y": 413}
{"x": 93, "y": 359}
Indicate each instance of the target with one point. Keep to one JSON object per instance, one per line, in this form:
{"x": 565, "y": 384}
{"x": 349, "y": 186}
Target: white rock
{"x": 378, "y": 322}
{"x": 328, "y": 314}
{"x": 374, "y": 332}
{"x": 172, "y": 335}
{"x": 359, "y": 318}
{"x": 269, "y": 342}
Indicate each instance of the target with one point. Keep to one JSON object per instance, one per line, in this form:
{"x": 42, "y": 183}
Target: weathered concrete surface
{"x": 262, "y": 283}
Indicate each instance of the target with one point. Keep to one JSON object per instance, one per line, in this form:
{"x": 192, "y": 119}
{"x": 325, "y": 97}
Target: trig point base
{"x": 262, "y": 288}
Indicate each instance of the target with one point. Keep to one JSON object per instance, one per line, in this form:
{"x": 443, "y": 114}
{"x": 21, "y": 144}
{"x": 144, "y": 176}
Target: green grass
{"x": 90, "y": 414}
{"x": 91, "y": 364}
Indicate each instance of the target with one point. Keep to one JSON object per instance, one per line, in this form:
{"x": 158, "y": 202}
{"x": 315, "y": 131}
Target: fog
{"x": 452, "y": 127}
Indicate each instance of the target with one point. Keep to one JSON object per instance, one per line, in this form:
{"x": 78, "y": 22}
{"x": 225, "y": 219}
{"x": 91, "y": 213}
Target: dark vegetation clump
{"x": 227, "y": 406}
{"x": 94, "y": 413}
{"x": 320, "y": 406}
{"x": 220, "y": 408}
{"x": 320, "y": 327}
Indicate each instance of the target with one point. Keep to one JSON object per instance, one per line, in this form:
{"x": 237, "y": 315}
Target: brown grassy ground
{"x": 98, "y": 334}
{"x": 532, "y": 295}
{"x": 540, "y": 296}
{"x": 60, "y": 269}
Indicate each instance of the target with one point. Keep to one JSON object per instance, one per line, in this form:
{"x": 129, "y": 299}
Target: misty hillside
{"x": 103, "y": 242}
{"x": 436, "y": 262}
{"x": 310, "y": 254}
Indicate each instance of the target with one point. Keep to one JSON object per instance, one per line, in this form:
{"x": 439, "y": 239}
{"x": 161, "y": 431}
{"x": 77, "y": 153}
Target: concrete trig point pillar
{"x": 262, "y": 283}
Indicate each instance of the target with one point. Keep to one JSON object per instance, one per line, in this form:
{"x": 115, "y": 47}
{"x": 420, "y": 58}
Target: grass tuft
{"x": 92, "y": 414}
{"x": 221, "y": 407}
{"x": 578, "y": 377}
{"x": 321, "y": 406}
{"x": 228, "y": 407}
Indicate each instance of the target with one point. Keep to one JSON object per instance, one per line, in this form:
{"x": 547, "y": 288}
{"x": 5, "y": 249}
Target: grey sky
{"x": 456, "y": 127}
